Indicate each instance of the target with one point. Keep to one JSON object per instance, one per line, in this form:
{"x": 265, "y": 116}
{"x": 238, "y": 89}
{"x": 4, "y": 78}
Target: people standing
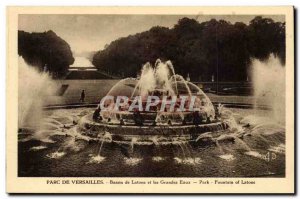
{"x": 82, "y": 96}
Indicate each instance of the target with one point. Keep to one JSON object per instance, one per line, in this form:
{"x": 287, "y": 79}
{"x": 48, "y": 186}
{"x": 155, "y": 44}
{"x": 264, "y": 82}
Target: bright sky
{"x": 93, "y": 32}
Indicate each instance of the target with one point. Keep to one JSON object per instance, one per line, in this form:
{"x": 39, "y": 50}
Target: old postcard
{"x": 150, "y": 100}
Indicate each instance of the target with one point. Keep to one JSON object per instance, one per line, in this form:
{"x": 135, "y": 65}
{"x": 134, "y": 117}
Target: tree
{"x": 266, "y": 37}
{"x": 201, "y": 50}
{"x": 45, "y": 49}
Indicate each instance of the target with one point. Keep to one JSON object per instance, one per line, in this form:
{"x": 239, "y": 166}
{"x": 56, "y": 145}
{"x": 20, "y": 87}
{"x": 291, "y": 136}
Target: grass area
{"x": 94, "y": 91}
{"x": 87, "y": 75}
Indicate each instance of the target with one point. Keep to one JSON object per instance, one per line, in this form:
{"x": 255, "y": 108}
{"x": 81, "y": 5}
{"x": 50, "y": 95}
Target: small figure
{"x": 96, "y": 114}
{"x": 188, "y": 77}
{"x": 184, "y": 121}
{"x": 45, "y": 68}
{"x": 196, "y": 118}
{"x": 82, "y": 96}
{"x": 154, "y": 123}
{"x": 138, "y": 118}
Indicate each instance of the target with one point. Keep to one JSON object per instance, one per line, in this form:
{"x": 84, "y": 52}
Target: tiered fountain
{"x": 134, "y": 114}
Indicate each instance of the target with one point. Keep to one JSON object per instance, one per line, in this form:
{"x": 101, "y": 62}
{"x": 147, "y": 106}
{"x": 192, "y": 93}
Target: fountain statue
{"x": 158, "y": 103}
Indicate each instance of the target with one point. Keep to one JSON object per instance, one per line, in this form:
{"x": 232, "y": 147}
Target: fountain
{"x": 158, "y": 103}
{"x": 157, "y": 125}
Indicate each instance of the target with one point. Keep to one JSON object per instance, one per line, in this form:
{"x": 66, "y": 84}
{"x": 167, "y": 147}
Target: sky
{"x": 86, "y": 33}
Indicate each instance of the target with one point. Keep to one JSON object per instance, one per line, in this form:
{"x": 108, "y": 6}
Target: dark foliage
{"x": 45, "y": 49}
{"x": 201, "y": 50}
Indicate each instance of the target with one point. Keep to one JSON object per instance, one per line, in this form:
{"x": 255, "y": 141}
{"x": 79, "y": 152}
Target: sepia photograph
{"x": 164, "y": 95}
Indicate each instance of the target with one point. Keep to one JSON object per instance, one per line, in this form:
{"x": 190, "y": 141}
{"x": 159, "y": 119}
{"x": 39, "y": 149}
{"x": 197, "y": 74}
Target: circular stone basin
{"x": 146, "y": 132}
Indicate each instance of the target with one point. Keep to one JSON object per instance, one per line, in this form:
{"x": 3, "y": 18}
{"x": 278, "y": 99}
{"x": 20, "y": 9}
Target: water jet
{"x": 159, "y": 103}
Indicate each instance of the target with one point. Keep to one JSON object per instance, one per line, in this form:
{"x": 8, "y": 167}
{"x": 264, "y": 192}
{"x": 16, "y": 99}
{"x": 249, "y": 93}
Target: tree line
{"x": 213, "y": 48}
{"x": 45, "y": 51}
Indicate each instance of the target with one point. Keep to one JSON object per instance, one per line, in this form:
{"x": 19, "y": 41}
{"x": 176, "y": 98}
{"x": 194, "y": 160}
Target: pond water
{"x": 254, "y": 146}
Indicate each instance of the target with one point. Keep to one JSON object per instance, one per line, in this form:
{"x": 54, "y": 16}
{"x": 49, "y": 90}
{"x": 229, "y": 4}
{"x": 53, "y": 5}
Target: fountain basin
{"x": 147, "y": 132}
{"x": 159, "y": 104}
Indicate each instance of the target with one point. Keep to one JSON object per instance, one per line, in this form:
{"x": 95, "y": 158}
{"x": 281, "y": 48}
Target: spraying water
{"x": 225, "y": 150}
{"x": 34, "y": 87}
{"x": 159, "y": 76}
{"x": 246, "y": 138}
{"x": 170, "y": 65}
{"x": 147, "y": 81}
{"x": 269, "y": 85}
{"x": 162, "y": 74}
